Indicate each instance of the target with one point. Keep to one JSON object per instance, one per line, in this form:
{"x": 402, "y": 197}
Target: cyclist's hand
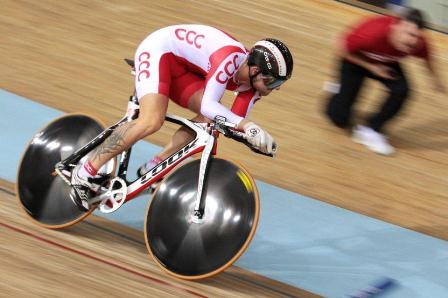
{"x": 259, "y": 139}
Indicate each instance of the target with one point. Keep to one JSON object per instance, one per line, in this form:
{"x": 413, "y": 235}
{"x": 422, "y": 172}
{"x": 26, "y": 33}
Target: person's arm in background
{"x": 377, "y": 69}
{"x": 435, "y": 74}
{"x": 426, "y": 52}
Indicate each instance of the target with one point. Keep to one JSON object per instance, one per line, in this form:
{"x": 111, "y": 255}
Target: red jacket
{"x": 370, "y": 39}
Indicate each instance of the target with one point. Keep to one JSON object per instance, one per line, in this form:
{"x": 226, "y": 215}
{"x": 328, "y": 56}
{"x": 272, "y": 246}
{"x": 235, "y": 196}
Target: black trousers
{"x": 339, "y": 106}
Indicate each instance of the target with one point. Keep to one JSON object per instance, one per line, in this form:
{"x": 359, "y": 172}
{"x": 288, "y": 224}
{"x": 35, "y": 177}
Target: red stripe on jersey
{"x": 165, "y": 71}
{"x": 242, "y": 101}
{"x": 231, "y": 85}
{"x": 172, "y": 68}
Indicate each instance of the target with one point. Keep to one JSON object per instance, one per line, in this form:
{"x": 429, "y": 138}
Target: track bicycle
{"x": 202, "y": 215}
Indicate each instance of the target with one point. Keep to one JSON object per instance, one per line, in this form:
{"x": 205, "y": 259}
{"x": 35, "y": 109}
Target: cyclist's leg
{"x": 152, "y": 114}
{"x": 182, "y": 136}
{"x": 151, "y": 117}
{"x": 152, "y": 84}
{"x": 154, "y": 69}
{"x": 186, "y": 91}
{"x": 154, "y": 65}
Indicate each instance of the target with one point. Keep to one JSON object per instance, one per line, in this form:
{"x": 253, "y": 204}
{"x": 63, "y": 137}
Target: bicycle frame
{"x": 205, "y": 141}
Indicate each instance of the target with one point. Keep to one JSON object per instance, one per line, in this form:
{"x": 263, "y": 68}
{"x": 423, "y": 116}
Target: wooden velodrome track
{"x": 68, "y": 55}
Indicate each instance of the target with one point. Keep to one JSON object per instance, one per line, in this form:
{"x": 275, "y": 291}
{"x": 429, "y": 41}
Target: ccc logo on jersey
{"x": 229, "y": 69}
{"x": 191, "y": 37}
{"x": 143, "y": 66}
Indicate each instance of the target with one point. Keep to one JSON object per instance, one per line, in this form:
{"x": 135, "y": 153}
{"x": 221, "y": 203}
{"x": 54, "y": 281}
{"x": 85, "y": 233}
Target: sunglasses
{"x": 272, "y": 82}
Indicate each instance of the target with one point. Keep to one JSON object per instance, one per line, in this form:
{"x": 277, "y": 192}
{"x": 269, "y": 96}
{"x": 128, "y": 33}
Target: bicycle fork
{"x": 199, "y": 209}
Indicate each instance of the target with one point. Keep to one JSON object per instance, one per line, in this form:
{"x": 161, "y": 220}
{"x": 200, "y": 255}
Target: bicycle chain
{"x": 59, "y": 172}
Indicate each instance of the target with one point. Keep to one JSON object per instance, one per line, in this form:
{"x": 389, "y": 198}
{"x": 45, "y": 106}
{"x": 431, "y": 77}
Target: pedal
{"x": 100, "y": 180}
{"x": 114, "y": 197}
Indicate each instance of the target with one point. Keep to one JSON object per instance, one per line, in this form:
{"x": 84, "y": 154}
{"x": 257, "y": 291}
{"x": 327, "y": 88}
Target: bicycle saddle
{"x": 130, "y": 62}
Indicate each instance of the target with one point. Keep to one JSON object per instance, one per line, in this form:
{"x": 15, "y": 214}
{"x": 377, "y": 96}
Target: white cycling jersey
{"x": 204, "y": 50}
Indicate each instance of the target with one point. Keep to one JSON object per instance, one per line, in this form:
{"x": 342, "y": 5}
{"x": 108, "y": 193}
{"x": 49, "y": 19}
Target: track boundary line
{"x": 92, "y": 257}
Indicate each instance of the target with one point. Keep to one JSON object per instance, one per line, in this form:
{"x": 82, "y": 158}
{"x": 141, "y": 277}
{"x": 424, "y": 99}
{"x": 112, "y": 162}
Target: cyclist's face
{"x": 261, "y": 84}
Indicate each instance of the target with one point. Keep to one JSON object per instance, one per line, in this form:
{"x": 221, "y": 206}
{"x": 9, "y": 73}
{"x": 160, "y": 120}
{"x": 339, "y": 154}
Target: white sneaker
{"x": 372, "y": 139}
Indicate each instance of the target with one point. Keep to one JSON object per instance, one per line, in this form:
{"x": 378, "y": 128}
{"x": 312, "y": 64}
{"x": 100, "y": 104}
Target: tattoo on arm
{"x": 114, "y": 144}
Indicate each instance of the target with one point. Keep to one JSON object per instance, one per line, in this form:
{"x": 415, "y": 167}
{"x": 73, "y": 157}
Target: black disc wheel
{"x": 194, "y": 249}
{"x": 43, "y": 195}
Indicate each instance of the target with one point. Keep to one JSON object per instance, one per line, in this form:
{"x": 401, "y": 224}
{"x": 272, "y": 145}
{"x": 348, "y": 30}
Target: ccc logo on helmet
{"x": 191, "y": 37}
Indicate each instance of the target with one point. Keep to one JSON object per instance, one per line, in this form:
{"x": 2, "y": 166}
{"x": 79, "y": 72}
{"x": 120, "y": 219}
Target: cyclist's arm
{"x": 211, "y": 107}
{"x": 243, "y": 104}
{"x": 215, "y": 87}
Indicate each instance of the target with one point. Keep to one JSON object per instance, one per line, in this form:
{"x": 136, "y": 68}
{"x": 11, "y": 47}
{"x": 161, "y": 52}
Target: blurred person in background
{"x": 374, "y": 49}
{"x": 193, "y": 65}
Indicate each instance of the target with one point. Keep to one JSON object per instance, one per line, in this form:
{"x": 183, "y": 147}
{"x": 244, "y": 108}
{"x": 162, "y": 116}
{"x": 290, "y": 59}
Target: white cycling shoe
{"x": 82, "y": 190}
